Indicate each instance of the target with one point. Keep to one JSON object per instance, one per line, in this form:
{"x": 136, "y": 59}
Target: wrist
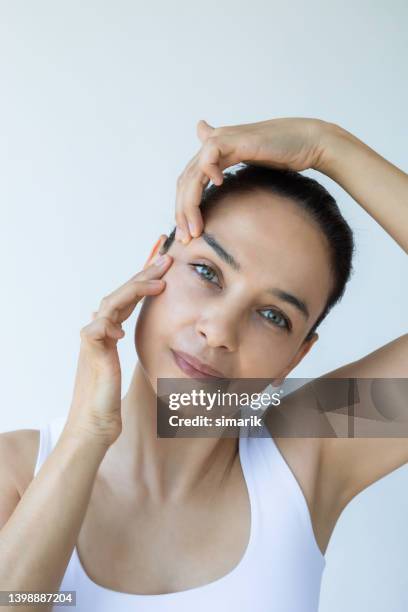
{"x": 80, "y": 437}
{"x": 332, "y": 140}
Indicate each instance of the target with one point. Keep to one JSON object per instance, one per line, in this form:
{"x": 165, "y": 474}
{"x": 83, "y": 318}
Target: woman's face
{"x": 233, "y": 319}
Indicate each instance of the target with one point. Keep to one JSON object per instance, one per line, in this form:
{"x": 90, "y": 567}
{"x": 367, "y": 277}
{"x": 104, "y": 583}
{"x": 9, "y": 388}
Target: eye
{"x": 204, "y": 272}
{"x": 283, "y": 321}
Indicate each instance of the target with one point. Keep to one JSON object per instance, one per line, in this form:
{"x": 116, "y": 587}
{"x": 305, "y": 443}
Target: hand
{"x": 294, "y": 143}
{"x": 96, "y": 404}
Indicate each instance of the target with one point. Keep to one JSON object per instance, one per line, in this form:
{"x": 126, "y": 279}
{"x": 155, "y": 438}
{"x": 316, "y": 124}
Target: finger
{"x": 182, "y": 229}
{"x": 225, "y": 149}
{"x": 227, "y": 143}
{"x": 204, "y": 130}
{"x": 195, "y": 178}
{"x": 155, "y": 268}
{"x": 186, "y": 230}
{"x": 119, "y": 305}
{"x": 100, "y": 329}
{"x": 188, "y": 215}
{"x": 210, "y": 159}
{"x": 191, "y": 203}
{"x": 153, "y": 271}
{"x": 214, "y": 156}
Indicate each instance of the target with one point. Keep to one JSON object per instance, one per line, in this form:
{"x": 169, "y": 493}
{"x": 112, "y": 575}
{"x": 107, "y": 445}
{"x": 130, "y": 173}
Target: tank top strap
{"x": 276, "y": 485}
{"x": 43, "y": 449}
{"x": 280, "y": 569}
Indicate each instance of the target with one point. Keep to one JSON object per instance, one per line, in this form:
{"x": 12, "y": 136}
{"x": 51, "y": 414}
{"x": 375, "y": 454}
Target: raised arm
{"x": 375, "y": 184}
{"x": 382, "y": 190}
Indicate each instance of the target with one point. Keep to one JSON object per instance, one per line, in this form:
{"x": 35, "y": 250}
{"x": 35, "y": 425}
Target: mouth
{"x": 194, "y": 368}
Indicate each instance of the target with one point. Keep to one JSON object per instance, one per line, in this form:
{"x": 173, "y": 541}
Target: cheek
{"x": 160, "y": 316}
{"x": 263, "y": 360}
{"x": 183, "y": 292}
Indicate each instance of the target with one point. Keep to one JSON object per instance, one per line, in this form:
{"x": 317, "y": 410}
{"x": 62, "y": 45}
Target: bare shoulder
{"x": 18, "y": 454}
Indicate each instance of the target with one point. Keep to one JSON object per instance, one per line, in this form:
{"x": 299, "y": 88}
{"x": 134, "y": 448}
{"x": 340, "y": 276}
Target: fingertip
{"x": 193, "y": 229}
{"x": 180, "y": 234}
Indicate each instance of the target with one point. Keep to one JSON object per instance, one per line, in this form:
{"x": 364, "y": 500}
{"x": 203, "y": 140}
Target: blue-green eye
{"x": 282, "y": 320}
{"x": 207, "y": 274}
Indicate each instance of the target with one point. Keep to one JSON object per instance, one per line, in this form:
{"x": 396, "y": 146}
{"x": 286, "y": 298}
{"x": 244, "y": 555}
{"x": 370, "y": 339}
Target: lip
{"x": 193, "y": 367}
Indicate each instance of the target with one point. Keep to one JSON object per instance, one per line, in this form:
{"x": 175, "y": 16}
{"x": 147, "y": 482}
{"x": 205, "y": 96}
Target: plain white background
{"x": 98, "y": 111}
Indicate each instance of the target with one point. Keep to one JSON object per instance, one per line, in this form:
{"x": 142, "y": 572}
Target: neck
{"x": 164, "y": 467}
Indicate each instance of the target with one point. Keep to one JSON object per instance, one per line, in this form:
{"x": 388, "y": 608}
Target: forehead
{"x": 275, "y": 243}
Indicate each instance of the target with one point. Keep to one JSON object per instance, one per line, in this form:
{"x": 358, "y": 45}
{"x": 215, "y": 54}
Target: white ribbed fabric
{"x": 281, "y": 569}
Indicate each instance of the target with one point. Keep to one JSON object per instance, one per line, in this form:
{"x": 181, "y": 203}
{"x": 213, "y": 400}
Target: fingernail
{"x": 161, "y": 260}
{"x": 180, "y": 234}
{"x": 192, "y": 228}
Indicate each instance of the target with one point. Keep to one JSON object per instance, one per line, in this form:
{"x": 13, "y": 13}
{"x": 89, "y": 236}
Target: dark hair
{"x": 311, "y": 197}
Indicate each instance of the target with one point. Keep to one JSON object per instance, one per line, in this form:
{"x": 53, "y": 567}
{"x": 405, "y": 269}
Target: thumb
{"x": 204, "y": 130}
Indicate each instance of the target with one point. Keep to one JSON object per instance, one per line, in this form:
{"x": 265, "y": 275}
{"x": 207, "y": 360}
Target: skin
{"x": 172, "y": 490}
{"x": 225, "y": 327}
{"x": 168, "y": 487}
{"x": 345, "y": 466}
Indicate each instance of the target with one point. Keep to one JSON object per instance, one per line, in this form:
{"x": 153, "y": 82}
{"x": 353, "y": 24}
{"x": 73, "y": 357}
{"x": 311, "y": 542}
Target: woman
{"x": 132, "y": 521}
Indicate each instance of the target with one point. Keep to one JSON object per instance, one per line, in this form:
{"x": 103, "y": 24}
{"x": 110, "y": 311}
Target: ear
{"x": 154, "y": 253}
{"x": 304, "y": 349}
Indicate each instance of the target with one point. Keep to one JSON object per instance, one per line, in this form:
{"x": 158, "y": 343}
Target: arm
{"x": 356, "y": 463}
{"x": 39, "y": 531}
{"x": 382, "y": 190}
{"x": 373, "y": 182}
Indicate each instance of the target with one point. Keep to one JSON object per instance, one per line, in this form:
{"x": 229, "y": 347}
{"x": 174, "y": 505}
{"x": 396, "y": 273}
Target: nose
{"x": 220, "y": 329}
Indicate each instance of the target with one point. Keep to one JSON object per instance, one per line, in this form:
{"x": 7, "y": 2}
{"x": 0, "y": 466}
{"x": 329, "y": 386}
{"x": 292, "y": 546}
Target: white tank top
{"x": 281, "y": 568}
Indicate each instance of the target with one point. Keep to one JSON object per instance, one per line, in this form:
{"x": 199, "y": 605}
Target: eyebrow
{"x": 285, "y": 296}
